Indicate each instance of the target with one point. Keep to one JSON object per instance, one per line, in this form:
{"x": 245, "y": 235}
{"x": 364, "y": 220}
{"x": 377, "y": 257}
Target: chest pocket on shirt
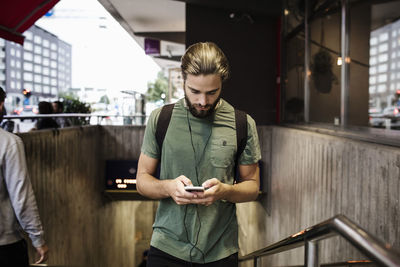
{"x": 222, "y": 152}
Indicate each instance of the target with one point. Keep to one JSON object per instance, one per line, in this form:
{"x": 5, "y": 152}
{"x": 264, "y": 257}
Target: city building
{"x": 42, "y": 67}
{"x": 384, "y": 72}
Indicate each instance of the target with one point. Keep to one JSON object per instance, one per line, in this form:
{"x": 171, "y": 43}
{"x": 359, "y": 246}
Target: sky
{"x": 104, "y": 55}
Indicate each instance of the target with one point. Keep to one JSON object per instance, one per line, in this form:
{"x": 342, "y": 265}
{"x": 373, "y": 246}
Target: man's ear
{"x": 1, "y": 107}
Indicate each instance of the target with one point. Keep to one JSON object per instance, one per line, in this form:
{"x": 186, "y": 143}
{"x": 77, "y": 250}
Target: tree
{"x": 104, "y": 99}
{"x": 157, "y": 90}
{"x": 72, "y": 104}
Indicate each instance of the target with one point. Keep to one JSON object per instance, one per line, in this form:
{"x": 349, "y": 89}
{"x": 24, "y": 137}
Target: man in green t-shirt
{"x": 199, "y": 149}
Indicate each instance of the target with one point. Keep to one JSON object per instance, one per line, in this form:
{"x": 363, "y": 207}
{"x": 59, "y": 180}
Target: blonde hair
{"x": 205, "y": 58}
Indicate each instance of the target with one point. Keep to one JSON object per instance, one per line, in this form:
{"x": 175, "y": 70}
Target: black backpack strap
{"x": 241, "y": 137}
{"x": 162, "y": 124}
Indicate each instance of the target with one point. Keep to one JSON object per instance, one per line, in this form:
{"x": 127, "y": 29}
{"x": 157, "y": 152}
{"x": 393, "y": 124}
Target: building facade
{"x": 42, "y": 66}
{"x": 384, "y": 72}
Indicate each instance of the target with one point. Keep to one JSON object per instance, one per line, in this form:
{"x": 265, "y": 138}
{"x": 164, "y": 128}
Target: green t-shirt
{"x": 200, "y": 149}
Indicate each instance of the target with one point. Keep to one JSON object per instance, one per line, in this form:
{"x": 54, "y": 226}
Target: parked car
{"x": 392, "y": 113}
{"x": 26, "y": 110}
{"x": 376, "y": 118}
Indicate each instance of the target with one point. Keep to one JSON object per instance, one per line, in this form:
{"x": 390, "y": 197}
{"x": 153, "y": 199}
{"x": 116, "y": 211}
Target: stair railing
{"x": 374, "y": 249}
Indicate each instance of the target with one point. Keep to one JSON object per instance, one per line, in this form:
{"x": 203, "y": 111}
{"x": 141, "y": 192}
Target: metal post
{"x": 256, "y": 261}
{"x": 345, "y": 74}
{"x": 311, "y": 256}
{"x": 307, "y": 52}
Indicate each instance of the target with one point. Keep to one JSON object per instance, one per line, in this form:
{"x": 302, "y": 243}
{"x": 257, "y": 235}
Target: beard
{"x": 201, "y": 113}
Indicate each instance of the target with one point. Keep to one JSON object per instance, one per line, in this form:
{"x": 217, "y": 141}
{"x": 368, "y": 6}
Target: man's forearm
{"x": 242, "y": 192}
{"x": 151, "y": 187}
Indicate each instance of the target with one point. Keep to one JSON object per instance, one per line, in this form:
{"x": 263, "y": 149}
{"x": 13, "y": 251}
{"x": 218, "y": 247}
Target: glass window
{"x": 54, "y": 73}
{"x": 54, "y": 90}
{"x": 18, "y": 85}
{"x": 373, "y": 41}
{"x": 46, "y": 43}
{"x": 393, "y": 55}
{"x": 28, "y": 35}
{"x": 18, "y": 53}
{"x": 12, "y": 85}
{"x": 46, "y": 89}
{"x": 28, "y": 46}
{"x": 46, "y": 62}
{"x": 28, "y": 66}
{"x": 394, "y": 33}
{"x": 38, "y": 78}
{"x": 383, "y": 37}
{"x": 46, "y": 80}
{"x": 46, "y": 71}
{"x": 398, "y": 65}
{"x": 398, "y": 85}
{"x": 12, "y": 51}
{"x": 393, "y": 76}
{"x": 38, "y": 88}
{"x": 383, "y": 57}
{"x": 398, "y": 75}
{"x": 12, "y": 63}
{"x": 382, "y": 78}
{"x": 53, "y": 46}
{"x": 38, "y": 69}
{"x": 383, "y": 47}
{"x": 18, "y": 64}
{"x": 46, "y": 52}
{"x": 372, "y": 70}
{"x": 28, "y": 76}
{"x": 12, "y": 74}
{"x": 38, "y": 49}
{"x": 28, "y": 85}
{"x": 373, "y": 51}
{"x": 28, "y": 56}
{"x": 53, "y": 55}
{"x": 392, "y": 87}
{"x": 38, "y": 59}
{"x": 53, "y": 64}
{"x": 37, "y": 39}
{"x": 372, "y": 61}
{"x": 372, "y": 80}
{"x": 382, "y": 68}
{"x": 53, "y": 81}
{"x": 18, "y": 75}
{"x": 381, "y": 88}
{"x": 394, "y": 44}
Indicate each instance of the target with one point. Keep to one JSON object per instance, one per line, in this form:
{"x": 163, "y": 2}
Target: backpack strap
{"x": 241, "y": 137}
{"x": 241, "y": 131}
{"x": 162, "y": 124}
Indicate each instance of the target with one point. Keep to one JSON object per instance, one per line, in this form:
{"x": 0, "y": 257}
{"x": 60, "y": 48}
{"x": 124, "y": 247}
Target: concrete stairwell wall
{"x": 308, "y": 177}
{"x": 83, "y": 227}
{"x": 314, "y": 177}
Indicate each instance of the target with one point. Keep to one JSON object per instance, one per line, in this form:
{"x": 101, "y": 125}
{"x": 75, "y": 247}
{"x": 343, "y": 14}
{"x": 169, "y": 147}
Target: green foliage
{"x": 104, "y": 99}
{"x": 72, "y": 104}
{"x": 157, "y": 90}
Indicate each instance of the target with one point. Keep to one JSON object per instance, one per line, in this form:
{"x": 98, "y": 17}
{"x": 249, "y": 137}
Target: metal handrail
{"x": 370, "y": 246}
{"x": 66, "y": 115}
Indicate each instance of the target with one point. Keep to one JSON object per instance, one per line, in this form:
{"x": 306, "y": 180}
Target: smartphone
{"x": 191, "y": 188}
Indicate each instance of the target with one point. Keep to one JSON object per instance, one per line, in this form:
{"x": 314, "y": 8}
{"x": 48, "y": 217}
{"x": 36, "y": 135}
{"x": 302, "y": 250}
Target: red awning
{"x": 16, "y": 16}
